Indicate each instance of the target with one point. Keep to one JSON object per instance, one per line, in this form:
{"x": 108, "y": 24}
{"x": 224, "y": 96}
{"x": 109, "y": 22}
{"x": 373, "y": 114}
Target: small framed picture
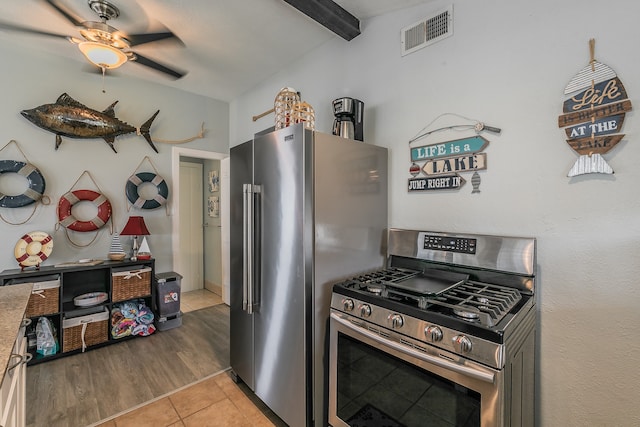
{"x": 214, "y": 181}
{"x": 213, "y": 206}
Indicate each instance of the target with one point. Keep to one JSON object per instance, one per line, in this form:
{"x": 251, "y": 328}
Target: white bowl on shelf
{"x": 90, "y": 299}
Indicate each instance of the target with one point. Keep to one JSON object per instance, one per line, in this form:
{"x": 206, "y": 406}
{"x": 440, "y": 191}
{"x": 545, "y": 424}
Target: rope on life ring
{"x": 133, "y": 196}
{"x": 33, "y": 248}
{"x": 35, "y": 179}
{"x": 67, "y": 201}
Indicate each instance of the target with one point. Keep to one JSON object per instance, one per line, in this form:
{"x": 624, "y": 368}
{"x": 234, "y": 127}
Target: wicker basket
{"x": 130, "y": 284}
{"x": 85, "y": 331}
{"x": 302, "y": 112}
{"x": 282, "y": 106}
{"x": 44, "y": 299}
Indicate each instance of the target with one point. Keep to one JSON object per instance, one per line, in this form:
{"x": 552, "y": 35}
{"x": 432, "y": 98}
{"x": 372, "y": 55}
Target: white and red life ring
{"x": 67, "y": 201}
{"x": 33, "y": 248}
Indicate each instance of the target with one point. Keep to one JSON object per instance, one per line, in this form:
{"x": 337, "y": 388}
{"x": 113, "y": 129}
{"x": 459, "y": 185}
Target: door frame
{"x": 176, "y": 153}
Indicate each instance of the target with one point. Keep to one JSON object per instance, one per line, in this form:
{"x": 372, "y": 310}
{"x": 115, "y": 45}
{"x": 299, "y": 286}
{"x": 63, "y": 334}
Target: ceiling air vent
{"x": 427, "y": 31}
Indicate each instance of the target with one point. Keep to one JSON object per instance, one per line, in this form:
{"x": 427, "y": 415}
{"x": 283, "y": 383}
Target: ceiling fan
{"x": 103, "y": 45}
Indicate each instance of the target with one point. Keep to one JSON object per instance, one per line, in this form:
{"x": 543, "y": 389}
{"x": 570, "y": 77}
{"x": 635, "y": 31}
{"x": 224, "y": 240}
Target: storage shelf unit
{"x": 74, "y": 281}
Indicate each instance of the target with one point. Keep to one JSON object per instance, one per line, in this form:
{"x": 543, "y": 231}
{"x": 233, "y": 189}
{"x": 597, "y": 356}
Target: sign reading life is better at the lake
{"x": 592, "y": 115}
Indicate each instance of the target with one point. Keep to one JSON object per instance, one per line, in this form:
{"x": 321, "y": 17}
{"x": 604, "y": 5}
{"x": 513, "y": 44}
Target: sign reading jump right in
{"x": 593, "y": 114}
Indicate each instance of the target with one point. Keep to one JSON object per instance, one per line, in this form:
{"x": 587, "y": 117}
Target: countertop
{"x": 13, "y": 303}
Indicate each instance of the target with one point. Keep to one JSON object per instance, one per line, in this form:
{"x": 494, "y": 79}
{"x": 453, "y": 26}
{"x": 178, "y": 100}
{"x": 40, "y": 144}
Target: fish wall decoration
{"x": 68, "y": 117}
{"x": 593, "y": 113}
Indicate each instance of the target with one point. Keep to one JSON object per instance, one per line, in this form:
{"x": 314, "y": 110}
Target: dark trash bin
{"x": 168, "y": 300}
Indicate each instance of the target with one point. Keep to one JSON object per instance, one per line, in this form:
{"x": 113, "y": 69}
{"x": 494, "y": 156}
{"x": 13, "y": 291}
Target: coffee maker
{"x": 349, "y": 120}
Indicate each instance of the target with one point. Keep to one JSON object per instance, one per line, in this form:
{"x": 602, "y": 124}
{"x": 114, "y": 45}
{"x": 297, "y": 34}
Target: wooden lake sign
{"x": 438, "y": 166}
{"x": 445, "y": 182}
{"x": 449, "y": 148}
{"x": 594, "y": 112}
{"x": 471, "y": 162}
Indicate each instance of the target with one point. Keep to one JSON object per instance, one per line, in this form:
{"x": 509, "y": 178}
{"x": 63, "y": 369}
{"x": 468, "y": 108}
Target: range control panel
{"x": 451, "y": 244}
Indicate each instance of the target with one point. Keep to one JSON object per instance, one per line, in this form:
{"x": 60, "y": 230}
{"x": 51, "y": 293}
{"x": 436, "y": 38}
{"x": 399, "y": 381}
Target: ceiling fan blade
{"x": 138, "y": 39}
{"x": 16, "y": 28}
{"x": 70, "y": 16}
{"x": 156, "y": 66}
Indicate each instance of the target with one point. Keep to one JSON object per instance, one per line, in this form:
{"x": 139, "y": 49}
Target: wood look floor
{"x": 214, "y": 402}
{"x": 86, "y": 388}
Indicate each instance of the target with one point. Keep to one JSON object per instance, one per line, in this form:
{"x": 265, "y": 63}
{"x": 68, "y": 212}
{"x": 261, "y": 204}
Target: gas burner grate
{"x": 386, "y": 275}
{"x": 376, "y": 282}
{"x": 470, "y": 301}
{"x": 479, "y": 302}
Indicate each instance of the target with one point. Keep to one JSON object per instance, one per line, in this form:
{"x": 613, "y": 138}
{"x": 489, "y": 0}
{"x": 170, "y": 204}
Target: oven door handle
{"x": 443, "y": 363}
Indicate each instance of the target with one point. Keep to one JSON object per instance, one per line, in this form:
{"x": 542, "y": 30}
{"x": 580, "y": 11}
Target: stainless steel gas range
{"x": 443, "y": 335}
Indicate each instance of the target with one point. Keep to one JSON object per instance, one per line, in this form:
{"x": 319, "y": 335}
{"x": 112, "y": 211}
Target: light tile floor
{"x": 215, "y": 401}
{"x": 195, "y": 300}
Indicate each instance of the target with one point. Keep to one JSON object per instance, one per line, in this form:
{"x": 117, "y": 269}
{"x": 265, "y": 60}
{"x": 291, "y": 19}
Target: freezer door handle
{"x": 248, "y": 247}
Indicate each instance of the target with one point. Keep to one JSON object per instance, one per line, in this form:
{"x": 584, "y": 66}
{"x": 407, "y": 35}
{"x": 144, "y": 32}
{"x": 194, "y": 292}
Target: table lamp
{"x": 135, "y": 227}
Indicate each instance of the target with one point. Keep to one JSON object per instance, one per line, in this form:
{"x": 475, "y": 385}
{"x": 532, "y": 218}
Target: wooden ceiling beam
{"x": 331, "y": 15}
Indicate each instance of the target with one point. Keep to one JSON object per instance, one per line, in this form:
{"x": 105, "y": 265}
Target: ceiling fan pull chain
{"x": 104, "y": 70}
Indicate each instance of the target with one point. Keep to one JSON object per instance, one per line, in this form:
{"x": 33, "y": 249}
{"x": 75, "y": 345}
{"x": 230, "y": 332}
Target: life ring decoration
{"x": 67, "y": 201}
{"x": 134, "y": 197}
{"x": 33, "y": 248}
{"x": 35, "y": 181}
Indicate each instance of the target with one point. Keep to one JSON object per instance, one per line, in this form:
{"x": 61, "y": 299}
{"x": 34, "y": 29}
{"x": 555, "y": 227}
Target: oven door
{"x": 375, "y": 379}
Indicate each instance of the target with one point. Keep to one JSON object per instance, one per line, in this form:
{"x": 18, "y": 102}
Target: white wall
{"x": 507, "y": 65}
{"x": 29, "y": 80}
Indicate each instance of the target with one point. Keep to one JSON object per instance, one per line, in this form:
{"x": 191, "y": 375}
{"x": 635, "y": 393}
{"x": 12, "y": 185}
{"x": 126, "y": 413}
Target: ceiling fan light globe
{"x": 102, "y": 55}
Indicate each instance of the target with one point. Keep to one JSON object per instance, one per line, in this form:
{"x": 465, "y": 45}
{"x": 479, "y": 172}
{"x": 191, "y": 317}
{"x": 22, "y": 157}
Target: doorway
{"x": 192, "y": 248}
{"x": 197, "y": 241}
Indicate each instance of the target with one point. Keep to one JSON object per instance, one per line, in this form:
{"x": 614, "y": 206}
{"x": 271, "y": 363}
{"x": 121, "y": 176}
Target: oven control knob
{"x": 347, "y": 304}
{"x": 396, "y": 321}
{"x": 433, "y": 333}
{"x": 462, "y": 344}
{"x": 365, "y": 310}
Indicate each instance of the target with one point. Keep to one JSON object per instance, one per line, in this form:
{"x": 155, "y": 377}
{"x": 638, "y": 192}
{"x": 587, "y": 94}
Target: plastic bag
{"x": 46, "y": 340}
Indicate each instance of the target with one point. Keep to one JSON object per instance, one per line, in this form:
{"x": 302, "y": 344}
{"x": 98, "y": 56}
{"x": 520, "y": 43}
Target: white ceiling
{"x": 229, "y": 45}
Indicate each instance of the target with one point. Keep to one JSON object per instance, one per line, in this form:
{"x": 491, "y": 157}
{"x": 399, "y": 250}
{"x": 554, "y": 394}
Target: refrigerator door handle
{"x": 254, "y": 285}
{"x": 247, "y": 247}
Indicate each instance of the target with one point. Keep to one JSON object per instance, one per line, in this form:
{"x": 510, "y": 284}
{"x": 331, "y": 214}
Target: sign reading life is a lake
{"x": 594, "y": 112}
{"x": 444, "y": 161}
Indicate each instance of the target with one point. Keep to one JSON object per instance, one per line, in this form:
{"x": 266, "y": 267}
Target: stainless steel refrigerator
{"x": 307, "y": 209}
